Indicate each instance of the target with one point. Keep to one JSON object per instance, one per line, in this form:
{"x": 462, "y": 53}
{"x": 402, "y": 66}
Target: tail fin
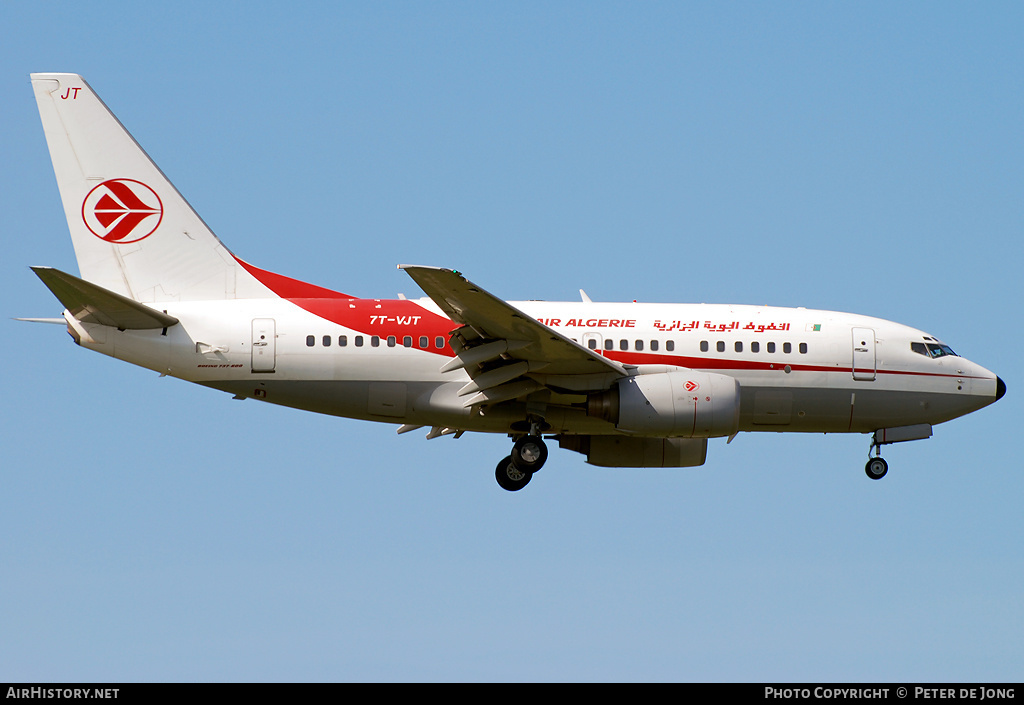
{"x": 133, "y": 233}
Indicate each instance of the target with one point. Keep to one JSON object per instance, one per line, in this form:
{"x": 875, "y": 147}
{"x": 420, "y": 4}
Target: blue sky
{"x": 849, "y": 156}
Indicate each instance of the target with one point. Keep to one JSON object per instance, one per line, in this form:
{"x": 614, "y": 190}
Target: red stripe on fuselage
{"x": 726, "y": 364}
{"x": 288, "y": 288}
{"x": 400, "y": 317}
{"x": 383, "y": 318}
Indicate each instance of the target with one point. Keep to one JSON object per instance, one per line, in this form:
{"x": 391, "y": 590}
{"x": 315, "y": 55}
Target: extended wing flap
{"x": 502, "y": 330}
{"x": 91, "y": 303}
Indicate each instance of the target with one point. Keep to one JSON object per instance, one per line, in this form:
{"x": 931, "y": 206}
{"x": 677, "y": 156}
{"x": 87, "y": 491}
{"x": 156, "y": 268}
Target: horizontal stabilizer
{"x": 90, "y": 303}
{"x": 56, "y": 321}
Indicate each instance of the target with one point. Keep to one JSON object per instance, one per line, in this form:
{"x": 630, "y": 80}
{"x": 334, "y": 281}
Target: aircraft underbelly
{"x": 423, "y": 403}
{"x": 846, "y": 410}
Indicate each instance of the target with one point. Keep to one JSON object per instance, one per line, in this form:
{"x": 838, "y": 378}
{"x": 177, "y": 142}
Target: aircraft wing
{"x": 506, "y": 352}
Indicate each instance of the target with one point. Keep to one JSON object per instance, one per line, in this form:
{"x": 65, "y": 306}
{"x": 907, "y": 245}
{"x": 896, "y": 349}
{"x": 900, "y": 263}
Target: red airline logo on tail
{"x": 122, "y": 211}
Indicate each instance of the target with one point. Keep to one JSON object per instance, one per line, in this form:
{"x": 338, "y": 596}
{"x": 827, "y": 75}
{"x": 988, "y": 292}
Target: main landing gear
{"x": 529, "y": 453}
{"x": 510, "y": 477}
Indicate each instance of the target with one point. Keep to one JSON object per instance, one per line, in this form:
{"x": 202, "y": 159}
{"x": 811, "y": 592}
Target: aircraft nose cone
{"x": 1000, "y": 388}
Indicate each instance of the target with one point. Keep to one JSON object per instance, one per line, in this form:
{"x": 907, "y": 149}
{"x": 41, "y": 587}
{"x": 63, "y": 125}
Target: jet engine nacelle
{"x": 679, "y": 403}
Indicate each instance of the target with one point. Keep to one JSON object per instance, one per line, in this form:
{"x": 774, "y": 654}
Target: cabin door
{"x": 264, "y": 344}
{"x": 863, "y": 354}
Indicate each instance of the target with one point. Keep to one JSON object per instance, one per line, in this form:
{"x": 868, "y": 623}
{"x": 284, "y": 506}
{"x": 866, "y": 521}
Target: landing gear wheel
{"x": 876, "y": 468}
{"x": 529, "y": 454}
{"x": 510, "y": 477}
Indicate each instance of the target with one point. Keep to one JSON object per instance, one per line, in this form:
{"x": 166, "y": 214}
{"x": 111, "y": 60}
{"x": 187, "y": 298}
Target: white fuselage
{"x": 798, "y": 369}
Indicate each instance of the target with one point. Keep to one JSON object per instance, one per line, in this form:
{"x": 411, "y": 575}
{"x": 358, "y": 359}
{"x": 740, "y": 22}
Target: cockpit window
{"x": 939, "y": 350}
{"x": 932, "y": 349}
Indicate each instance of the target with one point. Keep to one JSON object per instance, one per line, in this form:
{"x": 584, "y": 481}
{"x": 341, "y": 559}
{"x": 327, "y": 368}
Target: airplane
{"x": 625, "y": 384}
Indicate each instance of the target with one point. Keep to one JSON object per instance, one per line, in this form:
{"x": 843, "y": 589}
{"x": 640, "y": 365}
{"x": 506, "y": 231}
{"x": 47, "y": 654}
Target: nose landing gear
{"x": 876, "y": 468}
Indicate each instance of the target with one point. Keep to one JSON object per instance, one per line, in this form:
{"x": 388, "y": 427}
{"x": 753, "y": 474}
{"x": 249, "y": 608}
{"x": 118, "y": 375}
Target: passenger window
{"x": 720, "y": 346}
{"x": 654, "y": 346}
{"x": 342, "y": 340}
{"x": 439, "y": 342}
{"x": 787, "y": 348}
{"x": 623, "y": 345}
{"x": 592, "y": 344}
{"x": 327, "y": 341}
{"x": 359, "y": 341}
{"x": 771, "y": 347}
{"x": 391, "y": 341}
{"x": 407, "y": 341}
{"x": 424, "y": 341}
{"x": 375, "y": 341}
{"x": 703, "y": 346}
{"x": 755, "y": 347}
{"x": 803, "y": 348}
{"x": 609, "y": 344}
{"x": 639, "y": 345}
{"x": 738, "y": 347}
{"x": 670, "y": 345}
{"x": 310, "y": 340}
